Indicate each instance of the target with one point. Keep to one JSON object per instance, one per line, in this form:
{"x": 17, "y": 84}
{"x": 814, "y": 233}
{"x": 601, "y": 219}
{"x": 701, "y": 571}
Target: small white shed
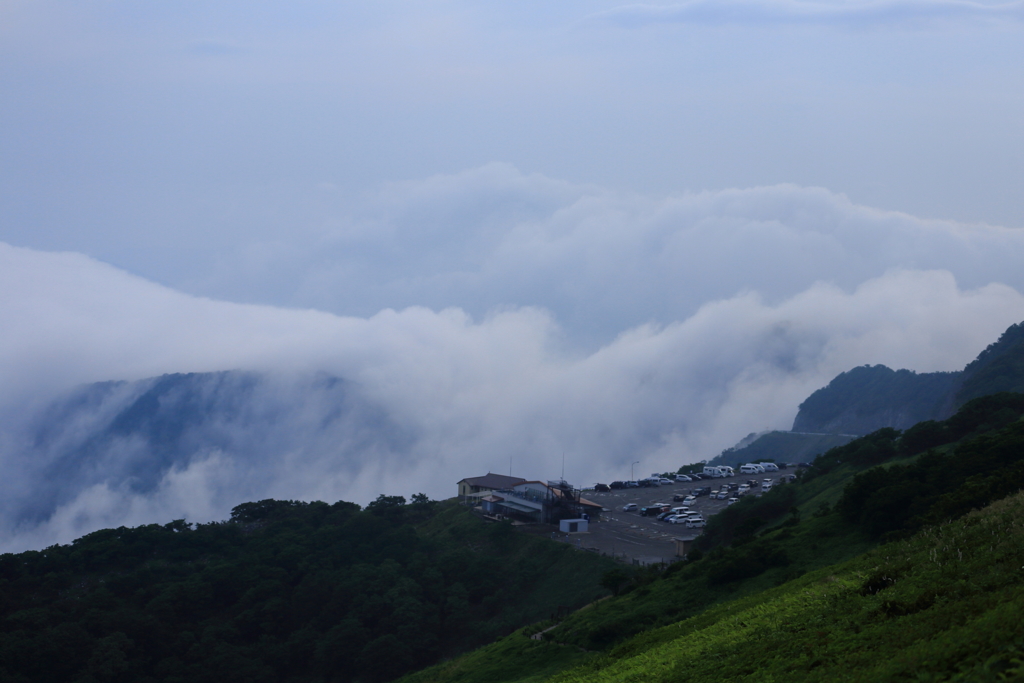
{"x": 573, "y": 526}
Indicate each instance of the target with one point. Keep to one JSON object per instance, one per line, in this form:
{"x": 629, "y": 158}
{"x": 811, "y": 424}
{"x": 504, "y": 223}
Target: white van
{"x": 770, "y": 467}
{"x": 713, "y": 472}
{"x": 750, "y": 468}
{"x": 727, "y": 471}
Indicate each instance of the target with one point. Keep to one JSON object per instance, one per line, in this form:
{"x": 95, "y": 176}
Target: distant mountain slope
{"x": 118, "y": 443}
{"x": 868, "y": 398}
{"x": 1000, "y": 367}
{"x": 871, "y": 397}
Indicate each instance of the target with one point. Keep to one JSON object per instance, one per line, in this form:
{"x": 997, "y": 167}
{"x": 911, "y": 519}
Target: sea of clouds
{"x": 495, "y": 319}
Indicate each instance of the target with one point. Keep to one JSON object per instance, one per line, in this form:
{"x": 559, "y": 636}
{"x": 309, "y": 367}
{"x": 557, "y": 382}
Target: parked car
{"x": 630, "y": 507}
{"x": 695, "y": 524}
{"x": 683, "y": 477}
{"x": 680, "y": 497}
{"x": 678, "y": 519}
{"x": 690, "y": 499}
{"x": 723, "y": 494}
{"x": 665, "y": 515}
{"x": 602, "y": 487}
{"x": 617, "y": 485}
{"x": 665, "y": 482}
{"x": 632, "y": 484}
{"x": 732, "y": 500}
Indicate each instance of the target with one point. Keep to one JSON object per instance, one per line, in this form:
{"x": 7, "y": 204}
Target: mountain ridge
{"x": 871, "y": 397}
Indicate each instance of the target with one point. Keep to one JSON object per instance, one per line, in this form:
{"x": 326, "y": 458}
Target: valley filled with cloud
{"x": 400, "y": 244}
{"x": 658, "y": 330}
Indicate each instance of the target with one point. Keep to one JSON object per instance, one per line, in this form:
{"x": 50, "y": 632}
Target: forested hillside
{"x": 750, "y": 599}
{"x": 284, "y": 591}
{"x": 1000, "y": 367}
{"x": 871, "y": 397}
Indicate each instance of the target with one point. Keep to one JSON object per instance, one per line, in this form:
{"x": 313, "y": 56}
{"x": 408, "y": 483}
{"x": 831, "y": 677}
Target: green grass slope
{"x": 886, "y": 486}
{"x": 944, "y": 604}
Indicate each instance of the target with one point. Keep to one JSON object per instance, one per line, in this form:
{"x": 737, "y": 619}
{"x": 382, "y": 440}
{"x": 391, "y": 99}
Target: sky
{"x": 620, "y": 231}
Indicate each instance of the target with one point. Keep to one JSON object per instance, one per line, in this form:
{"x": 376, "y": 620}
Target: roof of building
{"x": 493, "y": 481}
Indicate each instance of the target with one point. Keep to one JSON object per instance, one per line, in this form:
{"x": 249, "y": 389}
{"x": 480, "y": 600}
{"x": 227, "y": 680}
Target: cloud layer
{"x": 466, "y": 395}
{"x": 601, "y": 261}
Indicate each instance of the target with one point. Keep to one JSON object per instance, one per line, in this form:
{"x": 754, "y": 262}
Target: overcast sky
{"x": 560, "y": 220}
{"x": 170, "y": 137}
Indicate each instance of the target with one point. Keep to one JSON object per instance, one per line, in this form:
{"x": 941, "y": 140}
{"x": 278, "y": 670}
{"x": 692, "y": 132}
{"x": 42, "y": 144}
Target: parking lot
{"x": 646, "y": 540}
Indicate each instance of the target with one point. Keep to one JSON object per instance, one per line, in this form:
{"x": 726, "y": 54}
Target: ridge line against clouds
{"x": 775, "y": 12}
{"x": 461, "y": 395}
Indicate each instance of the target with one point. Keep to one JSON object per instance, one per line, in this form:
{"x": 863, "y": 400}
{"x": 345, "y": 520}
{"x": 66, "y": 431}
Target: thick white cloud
{"x": 467, "y": 394}
{"x": 600, "y": 260}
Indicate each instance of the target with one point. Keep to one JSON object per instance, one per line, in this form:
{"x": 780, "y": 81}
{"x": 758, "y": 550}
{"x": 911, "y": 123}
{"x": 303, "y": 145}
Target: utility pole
{"x": 631, "y": 470}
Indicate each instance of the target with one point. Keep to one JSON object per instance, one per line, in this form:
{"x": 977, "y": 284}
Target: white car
{"x": 732, "y": 500}
{"x": 678, "y": 519}
{"x": 689, "y": 499}
{"x": 629, "y": 507}
{"x": 665, "y": 482}
{"x": 723, "y": 494}
{"x": 695, "y": 524}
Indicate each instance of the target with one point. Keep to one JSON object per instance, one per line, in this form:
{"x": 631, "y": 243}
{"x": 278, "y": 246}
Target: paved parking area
{"x": 634, "y": 538}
